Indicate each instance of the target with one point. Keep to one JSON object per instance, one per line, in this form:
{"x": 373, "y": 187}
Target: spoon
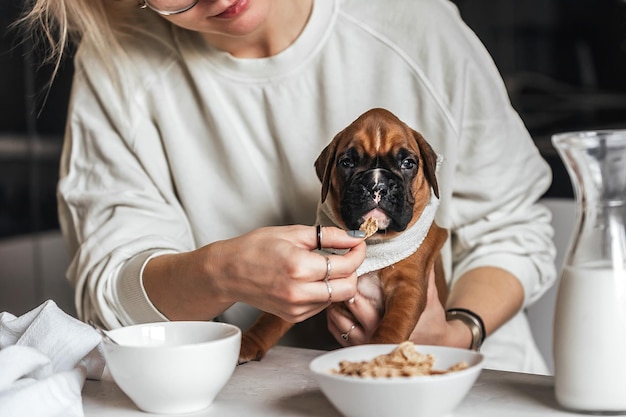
{"x": 103, "y": 333}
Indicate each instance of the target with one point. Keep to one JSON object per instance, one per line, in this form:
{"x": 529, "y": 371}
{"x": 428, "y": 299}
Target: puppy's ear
{"x": 429, "y": 157}
{"x": 324, "y": 165}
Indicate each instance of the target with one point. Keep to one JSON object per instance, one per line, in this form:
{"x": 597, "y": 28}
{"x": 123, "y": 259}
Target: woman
{"x": 187, "y": 186}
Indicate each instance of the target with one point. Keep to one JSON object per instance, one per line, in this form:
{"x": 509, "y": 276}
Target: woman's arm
{"x": 492, "y": 293}
{"x": 272, "y": 268}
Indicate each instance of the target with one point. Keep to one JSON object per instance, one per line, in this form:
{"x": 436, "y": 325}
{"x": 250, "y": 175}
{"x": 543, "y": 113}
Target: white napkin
{"x": 45, "y": 357}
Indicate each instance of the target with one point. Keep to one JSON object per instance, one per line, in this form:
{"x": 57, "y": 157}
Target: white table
{"x": 281, "y": 385}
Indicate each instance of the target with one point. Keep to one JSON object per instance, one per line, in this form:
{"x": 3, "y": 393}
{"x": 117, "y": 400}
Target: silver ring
{"x": 327, "y": 280}
{"x": 346, "y": 335}
{"x": 318, "y": 230}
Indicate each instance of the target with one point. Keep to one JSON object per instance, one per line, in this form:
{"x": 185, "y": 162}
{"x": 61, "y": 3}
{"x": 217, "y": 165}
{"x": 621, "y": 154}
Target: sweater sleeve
{"x": 117, "y": 204}
{"x": 499, "y": 175}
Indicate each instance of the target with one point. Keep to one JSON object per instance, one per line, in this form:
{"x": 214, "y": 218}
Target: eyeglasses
{"x": 168, "y": 7}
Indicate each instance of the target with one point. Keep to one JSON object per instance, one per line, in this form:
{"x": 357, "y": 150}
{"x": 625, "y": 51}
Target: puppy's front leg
{"x": 264, "y": 333}
{"x": 405, "y": 287}
{"x": 405, "y": 300}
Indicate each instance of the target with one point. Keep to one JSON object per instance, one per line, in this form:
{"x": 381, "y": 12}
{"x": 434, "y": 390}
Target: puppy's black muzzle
{"x": 376, "y": 188}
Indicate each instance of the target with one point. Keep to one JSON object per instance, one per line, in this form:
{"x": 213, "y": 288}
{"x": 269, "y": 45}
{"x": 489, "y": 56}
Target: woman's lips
{"x": 234, "y": 10}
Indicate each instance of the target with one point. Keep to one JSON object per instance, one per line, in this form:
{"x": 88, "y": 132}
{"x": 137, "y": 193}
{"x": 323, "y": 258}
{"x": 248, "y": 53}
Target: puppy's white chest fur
{"x": 370, "y": 287}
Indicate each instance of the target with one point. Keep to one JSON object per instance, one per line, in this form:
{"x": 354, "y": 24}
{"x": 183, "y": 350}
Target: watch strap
{"x": 472, "y": 321}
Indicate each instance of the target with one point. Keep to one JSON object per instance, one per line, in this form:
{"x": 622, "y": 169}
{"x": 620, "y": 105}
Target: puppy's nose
{"x": 378, "y": 191}
{"x": 377, "y": 184}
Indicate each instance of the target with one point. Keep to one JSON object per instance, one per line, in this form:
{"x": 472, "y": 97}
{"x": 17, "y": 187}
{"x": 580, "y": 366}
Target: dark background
{"x": 563, "y": 61}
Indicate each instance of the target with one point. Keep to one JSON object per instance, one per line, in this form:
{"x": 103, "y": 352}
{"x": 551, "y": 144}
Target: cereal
{"x": 404, "y": 360}
{"x": 369, "y": 226}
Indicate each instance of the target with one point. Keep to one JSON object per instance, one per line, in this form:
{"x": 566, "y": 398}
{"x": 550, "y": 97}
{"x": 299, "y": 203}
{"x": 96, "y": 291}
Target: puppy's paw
{"x": 250, "y": 350}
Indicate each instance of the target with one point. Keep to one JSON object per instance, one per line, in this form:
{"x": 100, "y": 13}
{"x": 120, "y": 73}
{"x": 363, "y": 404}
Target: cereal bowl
{"x": 417, "y": 396}
{"x": 173, "y": 367}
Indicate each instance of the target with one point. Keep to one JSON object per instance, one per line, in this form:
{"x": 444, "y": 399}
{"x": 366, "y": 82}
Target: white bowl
{"x": 417, "y": 396}
{"x": 173, "y": 367}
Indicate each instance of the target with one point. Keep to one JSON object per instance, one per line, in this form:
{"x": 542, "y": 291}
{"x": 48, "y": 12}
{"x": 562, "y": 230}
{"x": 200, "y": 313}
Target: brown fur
{"x": 404, "y": 285}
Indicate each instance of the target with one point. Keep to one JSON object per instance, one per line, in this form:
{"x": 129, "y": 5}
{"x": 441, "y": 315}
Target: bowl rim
{"x": 235, "y": 332}
{"x": 471, "y": 369}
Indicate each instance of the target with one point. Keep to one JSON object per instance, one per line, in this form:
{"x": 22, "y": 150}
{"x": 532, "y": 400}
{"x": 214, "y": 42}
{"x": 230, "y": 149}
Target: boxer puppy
{"x": 377, "y": 170}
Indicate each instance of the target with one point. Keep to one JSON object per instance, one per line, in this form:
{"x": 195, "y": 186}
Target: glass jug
{"x": 590, "y": 318}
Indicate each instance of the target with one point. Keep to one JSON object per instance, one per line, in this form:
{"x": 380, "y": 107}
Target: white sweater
{"x": 191, "y": 145}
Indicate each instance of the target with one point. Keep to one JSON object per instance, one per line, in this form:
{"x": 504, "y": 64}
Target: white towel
{"x": 45, "y": 357}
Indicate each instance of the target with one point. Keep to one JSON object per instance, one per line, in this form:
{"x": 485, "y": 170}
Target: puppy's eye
{"x": 346, "y": 162}
{"x": 408, "y": 163}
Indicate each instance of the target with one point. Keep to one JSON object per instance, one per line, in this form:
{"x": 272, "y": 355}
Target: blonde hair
{"x": 59, "y": 24}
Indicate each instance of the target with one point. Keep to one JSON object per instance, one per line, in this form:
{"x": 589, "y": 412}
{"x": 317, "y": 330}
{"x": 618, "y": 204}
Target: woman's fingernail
{"x": 351, "y": 301}
{"x": 356, "y": 233}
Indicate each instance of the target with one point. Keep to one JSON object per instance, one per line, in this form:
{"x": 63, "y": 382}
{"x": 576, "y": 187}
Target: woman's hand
{"x": 354, "y": 321}
{"x": 432, "y": 327}
{"x": 272, "y": 268}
